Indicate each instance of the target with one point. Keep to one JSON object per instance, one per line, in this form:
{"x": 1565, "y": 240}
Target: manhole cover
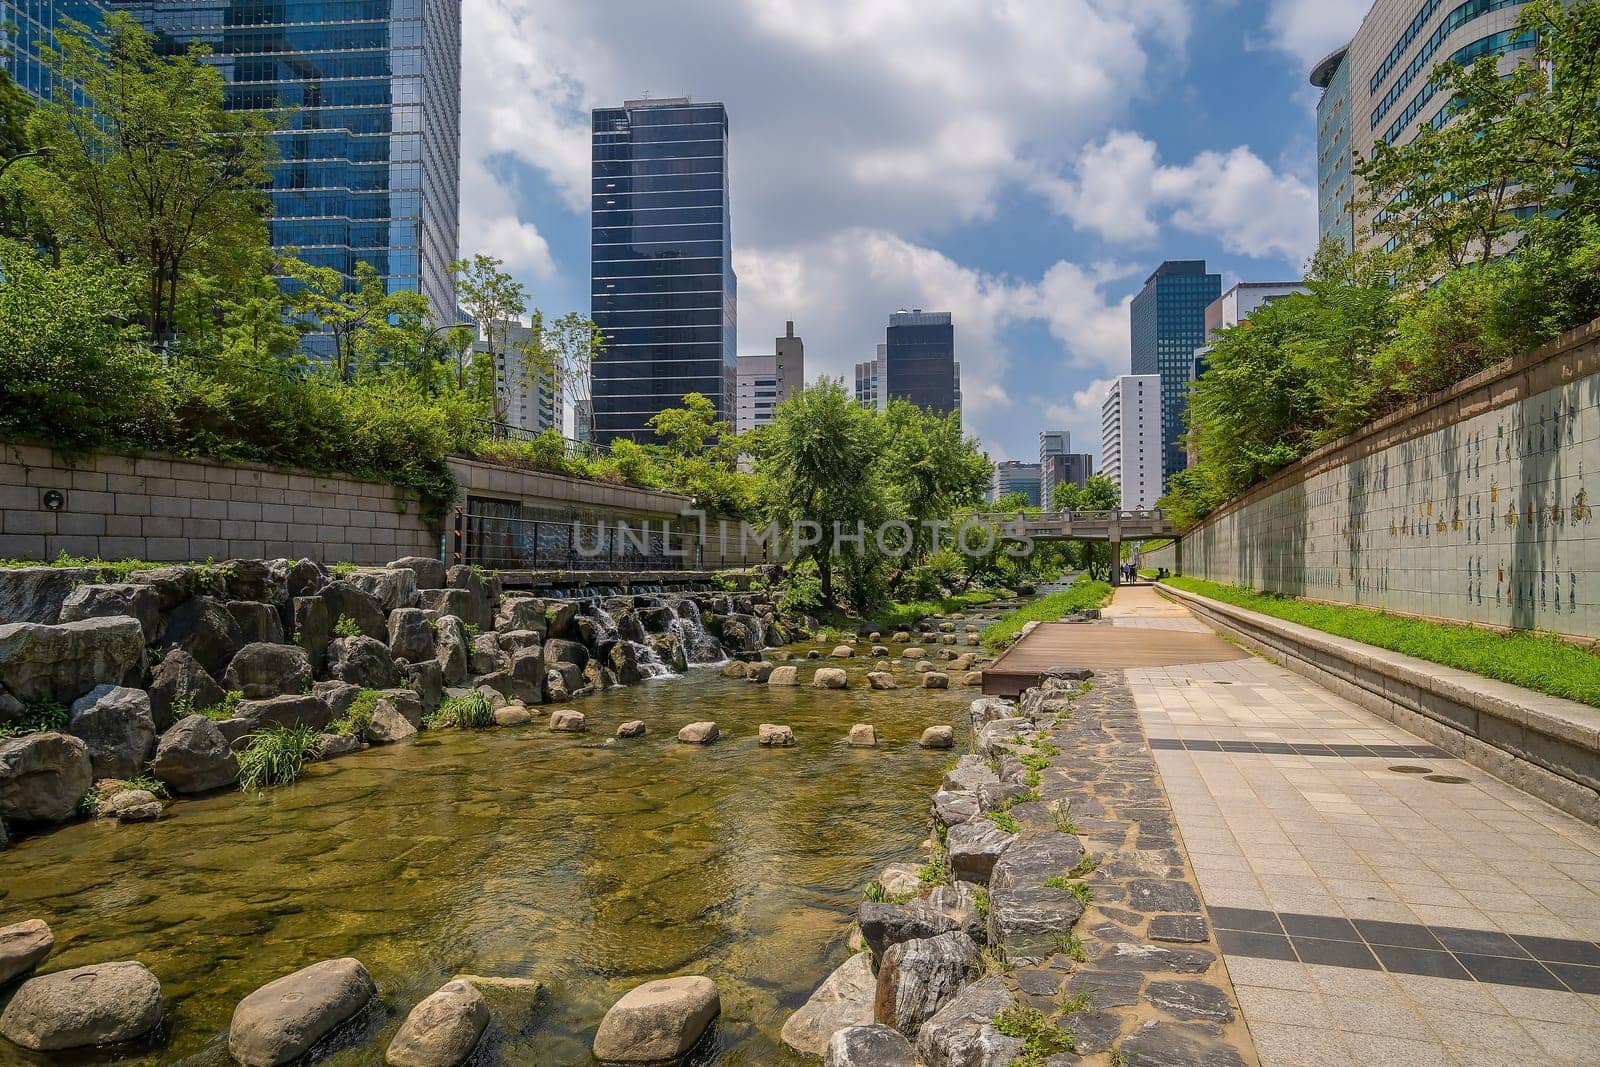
{"x": 1411, "y": 770}
{"x": 1446, "y": 779}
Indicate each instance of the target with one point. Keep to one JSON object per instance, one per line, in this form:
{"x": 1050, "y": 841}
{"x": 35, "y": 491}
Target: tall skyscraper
{"x": 920, "y": 361}
{"x": 1130, "y": 438}
{"x": 1335, "y": 182}
{"x": 767, "y": 381}
{"x": 663, "y": 289}
{"x": 371, "y": 146}
{"x": 28, "y": 27}
{"x": 1168, "y": 320}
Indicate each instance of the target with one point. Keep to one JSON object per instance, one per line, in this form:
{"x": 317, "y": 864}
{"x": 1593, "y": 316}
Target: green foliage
{"x": 1540, "y": 662}
{"x": 118, "y": 571}
{"x": 875, "y": 893}
{"x": 980, "y": 904}
{"x": 470, "y": 712}
{"x": 371, "y": 327}
{"x": 37, "y": 716}
{"x": 345, "y": 626}
{"x": 899, "y": 615}
{"x": 183, "y": 706}
{"x": 358, "y": 716}
{"x": 1004, "y": 820}
{"x": 1041, "y": 1039}
{"x": 277, "y": 756}
{"x": 1083, "y": 593}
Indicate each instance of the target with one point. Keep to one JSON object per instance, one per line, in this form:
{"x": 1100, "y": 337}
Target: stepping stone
{"x": 569, "y": 721}
{"x": 699, "y": 733}
{"x": 657, "y": 1021}
{"x": 938, "y": 737}
{"x": 862, "y": 735}
{"x": 777, "y": 736}
{"x": 632, "y": 728}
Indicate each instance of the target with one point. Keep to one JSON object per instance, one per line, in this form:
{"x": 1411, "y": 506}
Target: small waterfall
{"x": 699, "y": 647}
{"x": 650, "y": 664}
{"x": 605, "y": 627}
{"x": 606, "y": 630}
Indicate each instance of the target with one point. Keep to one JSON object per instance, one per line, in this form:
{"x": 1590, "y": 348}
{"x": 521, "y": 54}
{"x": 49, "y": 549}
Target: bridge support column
{"x": 1177, "y": 558}
{"x": 1116, "y": 561}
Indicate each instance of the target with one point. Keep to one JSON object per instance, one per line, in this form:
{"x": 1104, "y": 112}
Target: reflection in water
{"x": 586, "y": 863}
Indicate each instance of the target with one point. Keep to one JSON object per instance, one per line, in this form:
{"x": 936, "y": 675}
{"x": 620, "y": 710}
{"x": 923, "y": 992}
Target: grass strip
{"x": 1081, "y": 594}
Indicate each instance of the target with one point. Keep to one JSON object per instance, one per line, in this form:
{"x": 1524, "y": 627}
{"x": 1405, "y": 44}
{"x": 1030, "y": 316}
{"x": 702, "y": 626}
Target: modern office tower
{"x": 1131, "y": 445}
{"x": 1052, "y": 443}
{"x": 791, "y": 362}
{"x": 371, "y": 143}
{"x": 662, "y": 284}
{"x": 28, "y": 27}
{"x": 919, "y": 361}
{"x": 1385, "y": 75}
{"x": 526, "y": 398}
{"x": 1012, "y": 476}
{"x": 1060, "y": 469}
{"x": 1168, "y": 320}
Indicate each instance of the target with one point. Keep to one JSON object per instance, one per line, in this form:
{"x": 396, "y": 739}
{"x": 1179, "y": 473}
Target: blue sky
{"x": 1023, "y": 164}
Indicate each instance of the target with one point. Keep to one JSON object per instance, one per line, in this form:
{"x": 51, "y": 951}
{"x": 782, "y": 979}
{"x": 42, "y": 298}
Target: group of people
{"x": 1130, "y": 573}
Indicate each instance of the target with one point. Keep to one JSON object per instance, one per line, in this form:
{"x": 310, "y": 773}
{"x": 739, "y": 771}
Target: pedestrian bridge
{"x": 1110, "y": 526}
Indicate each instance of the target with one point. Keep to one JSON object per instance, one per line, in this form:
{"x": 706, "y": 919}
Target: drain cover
{"x": 1411, "y": 770}
{"x": 1446, "y": 779}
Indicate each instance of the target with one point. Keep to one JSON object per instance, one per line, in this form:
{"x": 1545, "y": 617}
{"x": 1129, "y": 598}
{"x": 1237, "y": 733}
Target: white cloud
{"x": 1081, "y": 416}
{"x": 1119, "y": 187}
{"x": 1310, "y": 29}
{"x": 489, "y": 221}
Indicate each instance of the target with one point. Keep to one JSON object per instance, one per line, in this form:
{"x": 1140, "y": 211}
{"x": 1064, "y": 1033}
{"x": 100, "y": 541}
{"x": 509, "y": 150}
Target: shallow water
{"x": 588, "y": 865}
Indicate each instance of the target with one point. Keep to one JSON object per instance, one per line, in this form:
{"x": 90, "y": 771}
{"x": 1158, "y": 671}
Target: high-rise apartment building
{"x": 1131, "y": 445}
{"x": 1383, "y": 82}
{"x": 370, "y": 147}
{"x": 920, "y": 361}
{"x": 28, "y": 27}
{"x": 1168, "y": 320}
{"x": 1012, "y": 476}
{"x": 526, "y": 397}
{"x": 767, "y": 381}
{"x": 663, "y": 289}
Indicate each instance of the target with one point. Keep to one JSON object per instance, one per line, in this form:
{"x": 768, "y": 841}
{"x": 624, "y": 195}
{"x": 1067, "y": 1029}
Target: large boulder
{"x": 844, "y": 999}
{"x": 109, "y": 601}
{"x": 868, "y": 1046}
{"x": 193, "y": 756}
{"x": 131, "y": 805}
{"x": 560, "y": 618}
{"x": 346, "y": 600}
{"x": 392, "y": 587}
{"x": 304, "y": 578}
{"x": 483, "y": 654}
{"x": 180, "y": 686}
{"x": 958, "y": 902}
{"x": 784, "y": 675}
{"x": 450, "y": 645}
{"x": 36, "y": 594}
{"x": 657, "y": 1021}
{"x": 61, "y": 663}
{"x": 566, "y": 720}
{"x": 115, "y": 725}
{"x": 457, "y": 602}
{"x": 1025, "y": 915}
{"x": 624, "y": 661}
{"x": 521, "y": 613}
{"x": 699, "y": 733}
{"x": 969, "y": 775}
{"x": 102, "y": 1004}
{"x": 281, "y": 1021}
{"x": 884, "y": 926}
{"x": 22, "y": 946}
{"x": 179, "y": 582}
{"x": 411, "y": 635}
{"x": 917, "y": 978}
{"x": 441, "y": 1031}
{"x": 952, "y": 809}
{"x": 313, "y": 628}
{"x": 426, "y": 680}
{"x": 954, "y": 1036}
{"x": 972, "y": 849}
{"x": 266, "y": 581}
{"x": 471, "y": 581}
{"x": 389, "y": 724}
{"x": 830, "y": 678}
{"x": 204, "y": 627}
{"x": 290, "y": 709}
{"x": 775, "y": 735}
{"x": 260, "y": 670}
{"x": 361, "y": 661}
{"x": 428, "y": 573}
{"x": 42, "y": 777}
{"x": 257, "y": 621}
{"x": 559, "y": 649}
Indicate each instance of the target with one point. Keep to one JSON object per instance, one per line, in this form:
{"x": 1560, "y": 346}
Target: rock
{"x": 671, "y": 652}
{"x": 1190, "y": 929}
{"x": 178, "y": 583}
{"x": 842, "y": 652}
{"x": 42, "y": 777}
{"x": 522, "y": 613}
{"x": 935, "y": 680}
{"x": 304, "y": 578}
{"x": 624, "y": 658}
{"x": 38, "y": 594}
{"x": 22, "y": 946}
{"x": 830, "y": 678}
{"x": 886, "y": 925}
{"x": 938, "y": 737}
{"x": 425, "y": 679}
{"x": 912, "y": 652}
{"x": 952, "y": 808}
{"x": 958, "y": 902}
{"x": 814, "y": 654}
{"x": 442, "y": 1030}
{"x": 559, "y": 618}
{"x": 256, "y": 621}
{"x": 361, "y": 661}
{"x": 785, "y": 675}
{"x": 470, "y": 581}
{"x": 411, "y": 635}
{"x": 657, "y": 1021}
{"x": 632, "y": 728}
{"x": 844, "y": 998}
{"x": 102, "y": 1004}
{"x": 972, "y": 678}
{"x": 564, "y": 651}
{"x": 881, "y": 680}
{"x": 180, "y": 686}
{"x": 699, "y": 733}
{"x": 567, "y": 720}
{"x": 737, "y": 669}
{"x": 107, "y": 602}
{"x": 388, "y": 725}
{"x": 760, "y": 673}
{"x": 346, "y": 600}
{"x": 1190, "y": 1000}
{"x": 339, "y": 745}
{"x": 952, "y": 1037}
{"x": 281, "y": 1021}
{"x": 116, "y": 727}
{"x": 561, "y": 677}
{"x": 899, "y": 879}
{"x": 132, "y": 805}
{"x": 778, "y": 736}
{"x": 923, "y": 666}
{"x": 313, "y": 628}
{"x": 512, "y": 715}
{"x": 1025, "y": 915}
{"x": 862, "y": 735}
{"x": 204, "y": 627}
{"x": 867, "y": 1046}
{"x": 450, "y": 645}
{"x": 972, "y": 848}
{"x": 917, "y": 978}
{"x": 260, "y": 670}
{"x": 969, "y": 774}
{"x": 483, "y": 654}
{"x": 392, "y": 587}
{"x": 427, "y": 573}
{"x": 193, "y": 756}
{"x": 61, "y": 663}
{"x": 1162, "y": 1044}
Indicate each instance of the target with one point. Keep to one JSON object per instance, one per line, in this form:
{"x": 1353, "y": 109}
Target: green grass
{"x": 116, "y": 570}
{"x": 1540, "y": 662}
{"x": 277, "y": 755}
{"x": 345, "y": 626}
{"x": 470, "y": 712}
{"x": 37, "y": 717}
{"x": 898, "y": 616}
{"x": 1041, "y": 1039}
{"x": 1083, "y": 593}
{"x": 1071, "y": 945}
{"x": 358, "y": 716}
{"x": 1004, "y": 820}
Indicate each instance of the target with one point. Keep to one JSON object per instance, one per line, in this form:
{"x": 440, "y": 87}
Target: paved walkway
{"x": 1375, "y": 900}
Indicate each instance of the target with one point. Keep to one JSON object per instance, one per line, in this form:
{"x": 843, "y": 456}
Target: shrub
{"x": 37, "y": 717}
{"x": 470, "y": 712}
{"x": 277, "y": 755}
{"x": 345, "y": 626}
{"x": 358, "y": 716}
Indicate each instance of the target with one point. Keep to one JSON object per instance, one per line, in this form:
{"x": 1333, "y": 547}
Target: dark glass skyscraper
{"x": 663, "y": 289}
{"x": 921, "y": 360}
{"x": 1168, "y": 324}
{"x": 27, "y": 27}
{"x": 371, "y": 150}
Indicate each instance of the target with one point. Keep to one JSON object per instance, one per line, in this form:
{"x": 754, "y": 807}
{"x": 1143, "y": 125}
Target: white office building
{"x": 764, "y": 381}
{"x": 526, "y": 399}
{"x": 1130, "y": 438}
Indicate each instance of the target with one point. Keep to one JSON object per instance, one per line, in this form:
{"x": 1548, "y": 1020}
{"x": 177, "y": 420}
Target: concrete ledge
{"x": 1547, "y": 746}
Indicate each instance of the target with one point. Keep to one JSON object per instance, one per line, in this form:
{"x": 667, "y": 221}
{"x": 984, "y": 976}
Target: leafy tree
{"x": 494, "y": 299}
{"x": 150, "y": 169}
{"x": 369, "y": 325}
{"x": 701, "y": 458}
{"x": 564, "y": 351}
{"x": 929, "y": 469}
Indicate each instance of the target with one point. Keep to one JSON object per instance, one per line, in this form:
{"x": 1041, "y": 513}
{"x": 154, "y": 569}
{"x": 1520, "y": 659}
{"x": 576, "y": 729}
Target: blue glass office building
{"x": 1168, "y": 320}
{"x": 27, "y": 28}
{"x": 920, "y": 361}
{"x": 662, "y": 285}
{"x": 371, "y": 150}
{"x": 1335, "y": 179}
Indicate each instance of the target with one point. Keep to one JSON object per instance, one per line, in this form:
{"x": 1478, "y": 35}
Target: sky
{"x": 1023, "y": 164}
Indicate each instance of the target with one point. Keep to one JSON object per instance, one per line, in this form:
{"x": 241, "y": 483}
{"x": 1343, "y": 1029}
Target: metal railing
{"x": 502, "y": 542}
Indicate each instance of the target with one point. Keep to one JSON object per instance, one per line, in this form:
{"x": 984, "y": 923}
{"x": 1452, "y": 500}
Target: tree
{"x": 702, "y": 458}
{"x": 150, "y": 168}
{"x": 494, "y": 299}
{"x": 565, "y": 351}
{"x": 369, "y": 325}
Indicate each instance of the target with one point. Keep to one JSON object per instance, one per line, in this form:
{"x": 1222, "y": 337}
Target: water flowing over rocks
{"x": 658, "y": 1021}
{"x": 102, "y": 1004}
{"x": 281, "y": 1021}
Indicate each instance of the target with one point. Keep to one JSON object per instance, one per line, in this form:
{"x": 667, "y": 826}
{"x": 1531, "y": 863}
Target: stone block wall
{"x": 1477, "y": 505}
